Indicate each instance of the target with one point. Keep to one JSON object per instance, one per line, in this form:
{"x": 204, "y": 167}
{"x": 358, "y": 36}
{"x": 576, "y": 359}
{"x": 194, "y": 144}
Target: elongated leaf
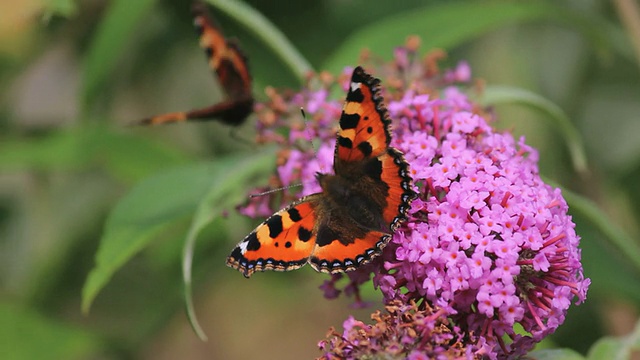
{"x": 223, "y": 194}
{"x": 453, "y": 23}
{"x": 56, "y": 150}
{"x": 607, "y": 348}
{"x": 130, "y": 157}
{"x": 494, "y": 95}
{"x": 126, "y": 156}
{"x": 555, "y": 354}
{"x": 29, "y": 335}
{"x": 616, "y": 236}
{"x": 263, "y": 29}
{"x": 157, "y": 203}
{"x": 141, "y": 215}
{"x": 616, "y": 347}
{"x": 66, "y": 8}
{"x": 110, "y": 41}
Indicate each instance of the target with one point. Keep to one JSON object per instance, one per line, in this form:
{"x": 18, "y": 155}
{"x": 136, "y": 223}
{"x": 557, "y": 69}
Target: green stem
{"x": 616, "y": 236}
{"x": 263, "y": 29}
{"x": 505, "y": 94}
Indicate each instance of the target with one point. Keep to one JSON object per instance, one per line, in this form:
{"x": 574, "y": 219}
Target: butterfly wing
{"x": 230, "y": 65}
{"x": 364, "y": 123}
{"x": 230, "y": 112}
{"x": 398, "y": 187}
{"x": 283, "y": 242}
{"x": 336, "y": 251}
{"x": 223, "y": 56}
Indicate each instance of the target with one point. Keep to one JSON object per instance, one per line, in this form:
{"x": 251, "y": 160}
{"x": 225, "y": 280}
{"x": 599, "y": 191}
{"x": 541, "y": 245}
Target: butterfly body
{"x": 359, "y": 208}
{"x": 355, "y": 196}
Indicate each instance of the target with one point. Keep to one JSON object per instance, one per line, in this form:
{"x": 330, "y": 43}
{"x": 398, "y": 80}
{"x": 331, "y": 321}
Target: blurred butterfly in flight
{"x": 230, "y": 65}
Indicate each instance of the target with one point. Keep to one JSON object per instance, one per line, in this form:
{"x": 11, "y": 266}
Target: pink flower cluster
{"x": 487, "y": 241}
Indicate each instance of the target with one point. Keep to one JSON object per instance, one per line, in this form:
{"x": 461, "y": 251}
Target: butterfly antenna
{"x": 274, "y": 190}
{"x": 309, "y": 137}
{"x": 306, "y": 126}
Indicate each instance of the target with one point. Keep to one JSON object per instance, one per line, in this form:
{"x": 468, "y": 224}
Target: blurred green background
{"x": 74, "y": 74}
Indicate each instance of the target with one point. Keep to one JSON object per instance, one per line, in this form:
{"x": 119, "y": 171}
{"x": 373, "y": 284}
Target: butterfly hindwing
{"x": 333, "y": 254}
{"x": 283, "y": 242}
{"x": 230, "y": 66}
{"x": 395, "y": 175}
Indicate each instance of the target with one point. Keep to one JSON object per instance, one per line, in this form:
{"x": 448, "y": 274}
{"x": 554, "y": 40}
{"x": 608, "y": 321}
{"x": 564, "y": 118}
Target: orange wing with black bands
{"x": 283, "y": 242}
{"x": 223, "y": 56}
{"x": 338, "y": 257}
{"x": 364, "y": 122}
{"x": 395, "y": 174}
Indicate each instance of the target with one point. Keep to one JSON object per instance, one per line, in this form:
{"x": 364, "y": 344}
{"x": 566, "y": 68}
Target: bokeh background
{"x": 75, "y": 74}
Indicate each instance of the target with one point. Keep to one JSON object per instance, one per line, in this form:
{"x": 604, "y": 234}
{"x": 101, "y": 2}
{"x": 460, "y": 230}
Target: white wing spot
{"x": 243, "y": 247}
{"x": 355, "y": 86}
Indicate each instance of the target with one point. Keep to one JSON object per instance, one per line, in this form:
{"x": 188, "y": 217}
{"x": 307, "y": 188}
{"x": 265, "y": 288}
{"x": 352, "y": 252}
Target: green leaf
{"x": 616, "y": 347}
{"x": 264, "y": 30}
{"x": 555, "y": 354}
{"x": 494, "y": 95}
{"x": 132, "y": 157}
{"x": 610, "y": 272}
{"x": 66, "y": 8}
{"x": 113, "y": 33}
{"x": 126, "y": 156}
{"x": 634, "y": 338}
{"x": 226, "y": 191}
{"x": 158, "y": 202}
{"x": 28, "y": 335}
{"x": 56, "y": 150}
{"x": 451, "y": 24}
{"x": 151, "y": 207}
{"x": 626, "y": 245}
{"x": 606, "y": 348}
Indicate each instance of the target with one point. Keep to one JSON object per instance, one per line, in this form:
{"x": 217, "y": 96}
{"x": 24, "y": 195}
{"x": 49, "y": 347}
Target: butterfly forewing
{"x": 364, "y": 126}
{"x": 223, "y": 56}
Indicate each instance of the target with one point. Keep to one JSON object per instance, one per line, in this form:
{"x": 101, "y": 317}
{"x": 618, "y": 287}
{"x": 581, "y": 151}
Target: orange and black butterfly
{"x": 230, "y": 65}
{"x": 353, "y": 218}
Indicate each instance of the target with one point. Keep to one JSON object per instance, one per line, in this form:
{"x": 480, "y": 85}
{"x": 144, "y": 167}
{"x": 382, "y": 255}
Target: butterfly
{"x": 360, "y": 207}
{"x": 230, "y": 65}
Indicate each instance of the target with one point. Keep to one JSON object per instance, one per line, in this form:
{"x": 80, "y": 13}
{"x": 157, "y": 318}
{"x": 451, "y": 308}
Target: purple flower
{"x": 404, "y": 331}
{"x": 498, "y": 247}
{"x": 487, "y": 243}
